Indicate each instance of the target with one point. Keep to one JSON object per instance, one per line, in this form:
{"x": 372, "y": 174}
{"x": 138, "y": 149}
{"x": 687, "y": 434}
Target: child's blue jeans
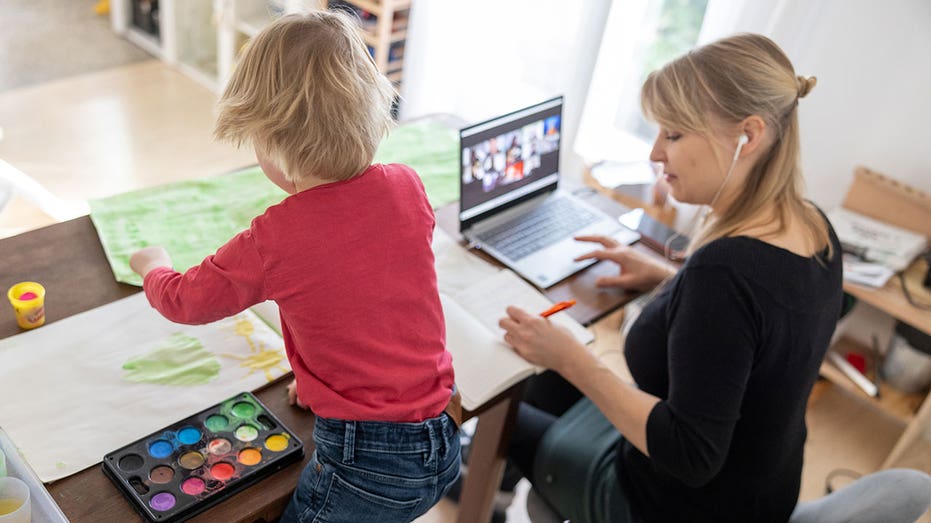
{"x": 380, "y": 472}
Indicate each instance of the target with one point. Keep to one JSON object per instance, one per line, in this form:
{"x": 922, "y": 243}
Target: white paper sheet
{"x": 64, "y": 397}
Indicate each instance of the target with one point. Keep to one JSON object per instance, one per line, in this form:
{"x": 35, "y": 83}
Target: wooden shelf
{"x": 888, "y": 200}
{"x": 898, "y": 404}
{"x": 370, "y": 39}
{"x": 377, "y": 7}
{"x": 891, "y": 299}
{"x": 221, "y": 28}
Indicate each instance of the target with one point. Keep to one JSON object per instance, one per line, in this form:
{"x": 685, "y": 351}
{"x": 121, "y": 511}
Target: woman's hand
{"x": 538, "y": 340}
{"x": 148, "y": 258}
{"x": 637, "y": 272}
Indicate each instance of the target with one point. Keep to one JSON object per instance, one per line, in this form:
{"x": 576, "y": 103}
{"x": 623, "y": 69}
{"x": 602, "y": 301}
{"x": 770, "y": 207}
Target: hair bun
{"x": 805, "y": 85}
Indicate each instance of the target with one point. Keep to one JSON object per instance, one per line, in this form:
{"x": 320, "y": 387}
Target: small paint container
{"x": 15, "y": 506}
{"x": 28, "y": 301}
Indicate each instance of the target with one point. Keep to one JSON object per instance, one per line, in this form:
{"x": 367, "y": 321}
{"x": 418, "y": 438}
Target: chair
{"x": 887, "y": 496}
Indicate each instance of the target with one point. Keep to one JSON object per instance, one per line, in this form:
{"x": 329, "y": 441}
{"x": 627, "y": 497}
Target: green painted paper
{"x": 432, "y": 149}
{"x": 179, "y": 360}
{"x": 192, "y": 219}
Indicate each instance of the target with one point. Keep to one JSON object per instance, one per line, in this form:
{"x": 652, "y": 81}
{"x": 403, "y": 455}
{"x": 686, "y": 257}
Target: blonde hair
{"x": 308, "y": 94}
{"x": 723, "y": 83}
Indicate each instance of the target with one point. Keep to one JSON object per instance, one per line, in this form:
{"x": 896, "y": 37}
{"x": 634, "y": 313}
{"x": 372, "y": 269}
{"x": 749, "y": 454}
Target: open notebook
{"x": 475, "y": 294}
{"x": 486, "y": 366}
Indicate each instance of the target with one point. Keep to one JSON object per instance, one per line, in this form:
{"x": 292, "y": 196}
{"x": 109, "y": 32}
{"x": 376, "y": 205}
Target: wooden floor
{"x": 146, "y": 124}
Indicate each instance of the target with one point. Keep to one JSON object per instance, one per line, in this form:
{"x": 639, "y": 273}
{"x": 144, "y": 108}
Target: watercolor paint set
{"x": 195, "y": 463}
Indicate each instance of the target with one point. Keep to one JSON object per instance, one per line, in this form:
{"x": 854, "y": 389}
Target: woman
{"x": 726, "y": 352}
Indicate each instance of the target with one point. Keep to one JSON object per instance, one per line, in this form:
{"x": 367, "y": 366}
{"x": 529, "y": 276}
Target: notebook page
{"x": 488, "y": 298}
{"x": 484, "y": 365}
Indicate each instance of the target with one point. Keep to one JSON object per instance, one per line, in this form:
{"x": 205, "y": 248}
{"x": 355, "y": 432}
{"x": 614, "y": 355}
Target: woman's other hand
{"x": 637, "y": 271}
{"x": 538, "y": 340}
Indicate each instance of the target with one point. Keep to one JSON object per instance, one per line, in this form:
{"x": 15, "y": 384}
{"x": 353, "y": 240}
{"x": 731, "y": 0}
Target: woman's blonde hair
{"x": 309, "y": 96}
{"x": 721, "y": 84}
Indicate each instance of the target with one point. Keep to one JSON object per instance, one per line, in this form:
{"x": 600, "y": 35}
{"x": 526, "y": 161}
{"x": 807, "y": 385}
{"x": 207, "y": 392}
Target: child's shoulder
{"x": 392, "y": 173}
{"x": 394, "y": 169}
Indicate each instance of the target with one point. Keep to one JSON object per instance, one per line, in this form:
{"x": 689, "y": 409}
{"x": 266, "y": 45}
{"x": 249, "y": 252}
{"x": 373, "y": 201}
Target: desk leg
{"x": 487, "y": 459}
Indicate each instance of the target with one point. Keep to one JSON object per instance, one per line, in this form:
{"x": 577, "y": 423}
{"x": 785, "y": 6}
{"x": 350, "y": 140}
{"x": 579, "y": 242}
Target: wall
{"x": 872, "y": 104}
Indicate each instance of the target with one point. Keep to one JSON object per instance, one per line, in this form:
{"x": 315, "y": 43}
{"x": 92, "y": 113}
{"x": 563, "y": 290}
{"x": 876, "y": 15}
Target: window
{"x": 639, "y": 37}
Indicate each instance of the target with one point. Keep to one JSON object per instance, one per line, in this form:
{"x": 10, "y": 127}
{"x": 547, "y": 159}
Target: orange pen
{"x": 561, "y": 306}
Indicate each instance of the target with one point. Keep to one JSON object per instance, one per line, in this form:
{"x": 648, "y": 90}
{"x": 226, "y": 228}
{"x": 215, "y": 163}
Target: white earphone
{"x": 740, "y": 145}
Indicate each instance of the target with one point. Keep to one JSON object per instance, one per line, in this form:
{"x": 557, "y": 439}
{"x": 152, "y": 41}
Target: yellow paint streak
{"x": 262, "y": 359}
{"x": 243, "y": 327}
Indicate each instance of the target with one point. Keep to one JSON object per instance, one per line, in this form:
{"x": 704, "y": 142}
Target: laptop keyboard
{"x": 539, "y": 228}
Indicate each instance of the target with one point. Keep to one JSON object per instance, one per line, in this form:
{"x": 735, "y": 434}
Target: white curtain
{"x": 477, "y": 59}
{"x": 614, "y": 91}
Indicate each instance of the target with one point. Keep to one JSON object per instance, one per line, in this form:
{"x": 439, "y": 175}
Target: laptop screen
{"x": 508, "y": 159}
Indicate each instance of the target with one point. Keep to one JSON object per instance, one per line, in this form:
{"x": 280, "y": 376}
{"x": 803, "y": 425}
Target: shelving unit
{"x": 888, "y": 200}
{"x": 900, "y": 405}
{"x": 159, "y": 41}
{"x": 184, "y": 34}
{"x": 203, "y": 38}
{"x": 384, "y": 31}
{"x": 240, "y": 20}
{"x": 195, "y": 39}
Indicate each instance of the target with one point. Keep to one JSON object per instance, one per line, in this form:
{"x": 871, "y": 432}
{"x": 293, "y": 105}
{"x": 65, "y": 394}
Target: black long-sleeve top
{"x": 732, "y": 347}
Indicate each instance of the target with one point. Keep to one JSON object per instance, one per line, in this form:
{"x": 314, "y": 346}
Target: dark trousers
{"x": 547, "y": 396}
{"x": 568, "y": 450}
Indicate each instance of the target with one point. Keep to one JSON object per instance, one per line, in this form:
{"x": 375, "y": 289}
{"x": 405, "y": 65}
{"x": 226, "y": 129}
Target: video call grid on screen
{"x": 509, "y": 153}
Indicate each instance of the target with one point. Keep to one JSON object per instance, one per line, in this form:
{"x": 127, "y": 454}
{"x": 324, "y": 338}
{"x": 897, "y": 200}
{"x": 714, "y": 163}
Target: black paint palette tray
{"x": 193, "y": 464}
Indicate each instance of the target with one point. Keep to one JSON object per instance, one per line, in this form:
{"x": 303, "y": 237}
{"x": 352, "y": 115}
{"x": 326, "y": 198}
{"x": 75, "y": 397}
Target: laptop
{"x": 510, "y": 204}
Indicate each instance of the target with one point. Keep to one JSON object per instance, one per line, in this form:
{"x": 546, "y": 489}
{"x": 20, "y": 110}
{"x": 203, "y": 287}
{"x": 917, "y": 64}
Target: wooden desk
{"x": 68, "y": 260}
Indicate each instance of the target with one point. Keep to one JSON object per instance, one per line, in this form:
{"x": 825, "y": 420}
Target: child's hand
{"x": 148, "y": 258}
{"x": 292, "y": 395}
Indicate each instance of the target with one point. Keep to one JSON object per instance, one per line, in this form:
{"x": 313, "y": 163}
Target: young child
{"x": 347, "y": 257}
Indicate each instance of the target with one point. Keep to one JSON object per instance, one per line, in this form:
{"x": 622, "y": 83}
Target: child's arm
{"x": 223, "y": 284}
